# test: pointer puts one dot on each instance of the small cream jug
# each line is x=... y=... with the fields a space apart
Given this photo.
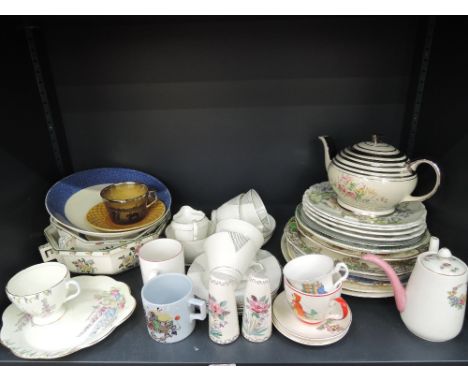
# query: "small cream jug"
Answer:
x=433 y=304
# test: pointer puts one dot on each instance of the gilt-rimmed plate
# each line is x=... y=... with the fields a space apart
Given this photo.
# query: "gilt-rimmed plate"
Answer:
x=102 y=305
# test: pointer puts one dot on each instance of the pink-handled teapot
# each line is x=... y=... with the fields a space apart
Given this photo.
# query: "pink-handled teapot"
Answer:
x=433 y=304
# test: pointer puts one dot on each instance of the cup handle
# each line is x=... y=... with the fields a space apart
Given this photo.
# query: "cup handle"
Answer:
x=153 y=196
x=76 y=286
x=195 y=231
x=338 y=268
x=344 y=309
x=201 y=305
x=413 y=166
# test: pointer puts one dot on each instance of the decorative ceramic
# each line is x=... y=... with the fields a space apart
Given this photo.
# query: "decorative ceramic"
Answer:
x=41 y=291
x=69 y=200
x=199 y=274
x=223 y=319
x=248 y=207
x=230 y=252
x=315 y=273
x=160 y=256
x=102 y=305
x=242 y=227
x=433 y=304
x=315 y=308
x=193 y=248
x=335 y=229
x=323 y=200
x=325 y=333
x=372 y=178
x=309 y=228
x=105 y=259
x=256 y=317
x=99 y=218
x=189 y=224
x=170 y=307
x=128 y=202
x=403 y=261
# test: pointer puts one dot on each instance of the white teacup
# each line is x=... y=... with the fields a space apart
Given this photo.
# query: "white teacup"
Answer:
x=242 y=227
x=229 y=210
x=189 y=224
x=315 y=308
x=230 y=253
x=253 y=210
x=161 y=256
x=315 y=273
x=41 y=291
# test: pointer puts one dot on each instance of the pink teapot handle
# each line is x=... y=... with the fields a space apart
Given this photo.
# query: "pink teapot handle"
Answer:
x=398 y=289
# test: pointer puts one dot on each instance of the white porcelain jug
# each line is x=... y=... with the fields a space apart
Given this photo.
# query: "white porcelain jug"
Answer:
x=433 y=304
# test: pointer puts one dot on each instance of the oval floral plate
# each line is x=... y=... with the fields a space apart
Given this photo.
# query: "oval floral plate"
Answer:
x=102 y=305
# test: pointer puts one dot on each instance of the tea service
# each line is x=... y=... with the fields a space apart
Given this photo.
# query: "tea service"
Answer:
x=311 y=310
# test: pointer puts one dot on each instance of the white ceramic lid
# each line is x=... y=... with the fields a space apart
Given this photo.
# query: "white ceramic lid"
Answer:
x=443 y=263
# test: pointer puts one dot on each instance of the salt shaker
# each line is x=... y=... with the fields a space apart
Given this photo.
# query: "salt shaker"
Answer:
x=223 y=317
x=256 y=318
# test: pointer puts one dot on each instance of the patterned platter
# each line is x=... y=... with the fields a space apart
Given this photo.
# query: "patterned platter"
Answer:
x=309 y=228
x=322 y=199
x=99 y=218
x=102 y=305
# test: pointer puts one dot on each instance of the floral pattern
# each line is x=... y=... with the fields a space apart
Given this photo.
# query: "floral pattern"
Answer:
x=128 y=261
x=218 y=313
x=456 y=301
x=109 y=303
x=255 y=318
x=162 y=325
x=84 y=266
x=331 y=326
x=357 y=191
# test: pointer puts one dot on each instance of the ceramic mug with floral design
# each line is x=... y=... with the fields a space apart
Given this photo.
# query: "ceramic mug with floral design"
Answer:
x=42 y=290
x=315 y=273
x=169 y=305
x=315 y=308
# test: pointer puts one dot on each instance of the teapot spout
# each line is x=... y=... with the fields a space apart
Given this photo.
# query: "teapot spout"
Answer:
x=398 y=289
x=326 y=148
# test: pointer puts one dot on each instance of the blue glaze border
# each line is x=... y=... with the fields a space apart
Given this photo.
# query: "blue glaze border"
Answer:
x=60 y=192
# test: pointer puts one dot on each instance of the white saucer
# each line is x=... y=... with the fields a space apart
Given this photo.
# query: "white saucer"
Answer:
x=324 y=333
x=102 y=305
x=198 y=275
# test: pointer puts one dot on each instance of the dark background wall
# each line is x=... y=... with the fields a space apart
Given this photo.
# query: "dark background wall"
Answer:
x=216 y=105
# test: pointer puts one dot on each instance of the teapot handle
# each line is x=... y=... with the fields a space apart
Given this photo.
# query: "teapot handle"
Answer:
x=413 y=166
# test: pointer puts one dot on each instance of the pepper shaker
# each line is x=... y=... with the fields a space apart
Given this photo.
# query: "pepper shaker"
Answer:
x=256 y=317
x=223 y=317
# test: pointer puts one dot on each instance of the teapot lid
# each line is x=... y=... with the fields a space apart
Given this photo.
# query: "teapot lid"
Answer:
x=444 y=263
x=374 y=158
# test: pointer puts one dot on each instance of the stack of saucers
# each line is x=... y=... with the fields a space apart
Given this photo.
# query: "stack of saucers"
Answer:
x=321 y=225
x=82 y=234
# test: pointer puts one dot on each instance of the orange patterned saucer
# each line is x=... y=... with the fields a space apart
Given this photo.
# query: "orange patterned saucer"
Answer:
x=99 y=218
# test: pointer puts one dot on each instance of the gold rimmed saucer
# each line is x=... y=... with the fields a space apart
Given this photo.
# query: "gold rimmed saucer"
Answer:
x=98 y=217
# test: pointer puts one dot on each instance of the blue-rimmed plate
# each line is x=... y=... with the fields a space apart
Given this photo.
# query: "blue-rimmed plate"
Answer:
x=69 y=200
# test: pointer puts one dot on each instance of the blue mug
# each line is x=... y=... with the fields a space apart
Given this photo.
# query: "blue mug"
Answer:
x=169 y=306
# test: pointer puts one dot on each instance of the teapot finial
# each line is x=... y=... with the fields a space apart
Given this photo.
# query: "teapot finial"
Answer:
x=375 y=138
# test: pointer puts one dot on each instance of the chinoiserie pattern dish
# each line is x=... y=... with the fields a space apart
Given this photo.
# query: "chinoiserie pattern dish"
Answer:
x=102 y=306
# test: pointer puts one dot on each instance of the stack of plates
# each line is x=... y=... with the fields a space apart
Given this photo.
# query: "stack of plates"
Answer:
x=80 y=223
x=321 y=225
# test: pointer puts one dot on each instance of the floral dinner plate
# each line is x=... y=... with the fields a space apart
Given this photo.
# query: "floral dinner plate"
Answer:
x=102 y=305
